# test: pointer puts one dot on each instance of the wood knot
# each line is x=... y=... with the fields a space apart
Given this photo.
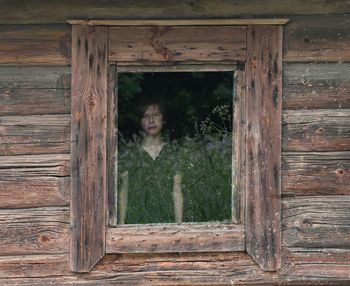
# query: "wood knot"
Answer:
x=319 y=131
x=340 y=172
x=44 y=238
x=306 y=222
x=77 y=115
x=8 y=93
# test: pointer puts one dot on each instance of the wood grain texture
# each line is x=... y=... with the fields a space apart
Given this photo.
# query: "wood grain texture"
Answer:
x=34 y=231
x=19 y=12
x=24 y=192
x=300 y=267
x=177 y=43
x=315 y=73
x=27 y=101
x=112 y=139
x=317 y=38
x=263 y=145
x=316 y=130
x=38 y=44
x=175 y=238
x=88 y=149
x=57 y=165
x=315 y=173
x=34 y=77
x=317 y=222
x=317 y=96
x=34 y=134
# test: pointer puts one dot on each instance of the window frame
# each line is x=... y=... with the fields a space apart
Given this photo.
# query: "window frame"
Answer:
x=258 y=87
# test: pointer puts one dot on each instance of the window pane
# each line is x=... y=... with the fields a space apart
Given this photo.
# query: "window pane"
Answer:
x=174 y=147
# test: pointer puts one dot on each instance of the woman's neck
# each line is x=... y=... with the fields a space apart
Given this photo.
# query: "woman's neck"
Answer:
x=149 y=141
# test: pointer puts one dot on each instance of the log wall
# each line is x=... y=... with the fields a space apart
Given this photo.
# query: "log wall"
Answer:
x=35 y=153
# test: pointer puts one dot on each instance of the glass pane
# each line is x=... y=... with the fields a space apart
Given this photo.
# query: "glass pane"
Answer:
x=174 y=147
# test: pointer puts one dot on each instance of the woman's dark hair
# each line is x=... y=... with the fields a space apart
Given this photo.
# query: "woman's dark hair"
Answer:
x=144 y=103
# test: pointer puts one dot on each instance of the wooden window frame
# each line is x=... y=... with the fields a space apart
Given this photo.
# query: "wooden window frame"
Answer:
x=96 y=46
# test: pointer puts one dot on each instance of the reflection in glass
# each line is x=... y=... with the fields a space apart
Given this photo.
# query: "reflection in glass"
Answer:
x=174 y=147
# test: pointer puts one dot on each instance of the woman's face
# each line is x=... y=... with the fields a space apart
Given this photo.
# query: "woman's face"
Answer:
x=152 y=120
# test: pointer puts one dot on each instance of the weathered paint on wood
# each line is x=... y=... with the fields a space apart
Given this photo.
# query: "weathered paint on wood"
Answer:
x=34 y=134
x=177 y=43
x=39 y=44
x=24 y=192
x=175 y=238
x=88 y=150
x=34 y=231
x=316 y=173
x=316 y=130
x=35 y=165
x=317 y=222
x=19 y=12
x=263 y=145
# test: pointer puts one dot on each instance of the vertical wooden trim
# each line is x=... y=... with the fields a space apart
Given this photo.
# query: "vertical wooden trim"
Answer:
x=112 y=144
x=88 y=147
x=239 y=130
x=263 y=145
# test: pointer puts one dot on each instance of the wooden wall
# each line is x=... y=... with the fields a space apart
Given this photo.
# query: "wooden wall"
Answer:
x=35 y=146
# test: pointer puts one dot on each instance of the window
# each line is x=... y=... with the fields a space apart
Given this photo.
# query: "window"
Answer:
x=98 y=54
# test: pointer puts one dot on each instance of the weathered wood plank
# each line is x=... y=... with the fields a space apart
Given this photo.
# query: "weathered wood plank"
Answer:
x=39 y=266
x=35 y=165
x=34 y=231
x=34 y=77
x=34 y=101
x=317 y=96
x=316 y=130
x=317 y=38
x=175 y=238
x=177 y=43
x=88 y=150
x=316 y=173
x=316 y=222
x=19 y=12
x=322 y=267
x=34 y=134
x=39 y=44
x=315 y=73
x=263 y=145
x=24 y=192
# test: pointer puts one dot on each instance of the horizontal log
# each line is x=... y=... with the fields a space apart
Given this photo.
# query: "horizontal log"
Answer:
x=315 y=73
x=35 y=134
x=177 y=43
x=35 y=165
x=41 y=44
x=317 y=38
x=316 y=222
x=317 y=96
x=316 y=130
x=34 y=77
x=324 y=267
x=19 y=12
x=316 y=173
x=34 y=231
x=39 y=266
x=175 y=238
x=25 y=192
x=26 y=101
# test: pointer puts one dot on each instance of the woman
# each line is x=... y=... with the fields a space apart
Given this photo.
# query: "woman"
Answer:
x=150 y=182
